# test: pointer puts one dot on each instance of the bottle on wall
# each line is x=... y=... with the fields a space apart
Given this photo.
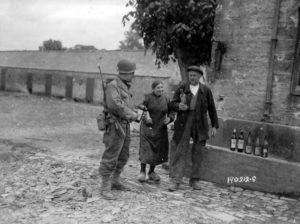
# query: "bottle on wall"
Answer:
x=241 y=142
x=265 y=148
x=233 y=140
x=257 y=149
x=249 y=147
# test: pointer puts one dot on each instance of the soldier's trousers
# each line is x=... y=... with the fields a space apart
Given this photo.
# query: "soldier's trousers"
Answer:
x=116 y=152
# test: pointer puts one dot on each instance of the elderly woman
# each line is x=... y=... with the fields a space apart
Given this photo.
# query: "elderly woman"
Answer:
x=154 y=144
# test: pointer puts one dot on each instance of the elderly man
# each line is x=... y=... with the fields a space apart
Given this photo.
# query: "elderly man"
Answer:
x=120 y=112
x=192 y=101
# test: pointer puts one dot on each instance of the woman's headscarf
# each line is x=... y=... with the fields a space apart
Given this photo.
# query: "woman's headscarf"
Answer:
x=156 y=83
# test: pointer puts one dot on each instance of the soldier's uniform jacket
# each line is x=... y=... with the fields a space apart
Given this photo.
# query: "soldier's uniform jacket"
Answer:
x=119 y=100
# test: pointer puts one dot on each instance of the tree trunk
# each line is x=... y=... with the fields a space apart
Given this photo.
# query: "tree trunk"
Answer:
x=182 y=63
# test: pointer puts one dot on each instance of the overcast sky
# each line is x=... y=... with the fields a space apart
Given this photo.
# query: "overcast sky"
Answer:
x=25 y=24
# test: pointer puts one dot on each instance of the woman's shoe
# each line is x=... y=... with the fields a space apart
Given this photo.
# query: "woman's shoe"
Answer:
x=173 y=186
x=154 y=177
x=142 y=177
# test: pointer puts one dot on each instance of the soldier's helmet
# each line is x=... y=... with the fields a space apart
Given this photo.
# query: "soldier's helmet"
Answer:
x=125 y=66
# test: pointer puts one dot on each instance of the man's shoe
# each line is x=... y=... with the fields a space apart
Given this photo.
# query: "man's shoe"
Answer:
x=173 y=187
x=165 y=166
x=142 y=177
x=191 y=182
x=154 y=176
x=196 y=185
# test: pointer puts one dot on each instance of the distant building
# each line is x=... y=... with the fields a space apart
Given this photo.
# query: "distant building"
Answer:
x=80 y=47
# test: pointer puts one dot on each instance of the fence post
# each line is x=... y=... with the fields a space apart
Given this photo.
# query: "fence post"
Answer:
x=48 y=84
x=89 y=92
x=29 y=82
x=69 y=87
x=3 y=79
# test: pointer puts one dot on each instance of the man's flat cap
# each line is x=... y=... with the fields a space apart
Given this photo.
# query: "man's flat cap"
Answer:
x=125 y=66
x=195 y=68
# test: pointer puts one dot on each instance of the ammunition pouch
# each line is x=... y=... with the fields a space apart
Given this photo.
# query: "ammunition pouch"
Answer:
x=103 y=120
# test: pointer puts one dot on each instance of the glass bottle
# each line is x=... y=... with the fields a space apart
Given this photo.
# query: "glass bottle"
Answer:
x=257 y=149
x=241 y=142
x=249 y=148
x=233 y=140
x=265 y=148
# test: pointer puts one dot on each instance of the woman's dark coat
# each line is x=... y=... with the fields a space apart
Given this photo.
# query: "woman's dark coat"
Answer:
x=154 y=144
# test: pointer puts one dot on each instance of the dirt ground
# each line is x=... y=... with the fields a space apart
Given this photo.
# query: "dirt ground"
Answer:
x=50 y=151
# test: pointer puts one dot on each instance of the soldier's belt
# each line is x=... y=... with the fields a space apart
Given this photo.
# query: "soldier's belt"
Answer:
x=112 y=118
x=123 y=121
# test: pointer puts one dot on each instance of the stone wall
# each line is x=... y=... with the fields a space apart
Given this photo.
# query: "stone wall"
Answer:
x=246 y=29
x=84 y=86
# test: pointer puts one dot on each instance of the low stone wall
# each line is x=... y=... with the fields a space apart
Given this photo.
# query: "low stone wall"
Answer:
x=82 y=86
x=271 y=175
x=284 y=140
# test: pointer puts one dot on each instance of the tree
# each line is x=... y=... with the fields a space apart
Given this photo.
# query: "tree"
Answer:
x=132 y=41
x=52 y=45
x=179 y=30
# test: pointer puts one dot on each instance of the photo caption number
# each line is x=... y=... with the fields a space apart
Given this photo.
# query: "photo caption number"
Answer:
x=243 y=179
x=230 y=180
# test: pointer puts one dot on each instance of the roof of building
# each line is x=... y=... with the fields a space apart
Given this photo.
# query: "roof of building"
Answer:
x=86 y=61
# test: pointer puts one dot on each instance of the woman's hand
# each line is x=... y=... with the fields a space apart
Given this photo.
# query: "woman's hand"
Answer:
x=148 y=119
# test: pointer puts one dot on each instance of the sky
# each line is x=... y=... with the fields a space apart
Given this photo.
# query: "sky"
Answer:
x=25 y=24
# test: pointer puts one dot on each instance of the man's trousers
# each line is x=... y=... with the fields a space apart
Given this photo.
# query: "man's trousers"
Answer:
x=116 y=152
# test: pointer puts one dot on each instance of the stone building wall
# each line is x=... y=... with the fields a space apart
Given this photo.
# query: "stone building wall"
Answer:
x=286 y=108
x=246 y=29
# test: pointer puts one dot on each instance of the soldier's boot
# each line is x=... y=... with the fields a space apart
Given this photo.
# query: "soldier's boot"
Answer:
x=174 y=185
x=105 y=189
x=116 y=184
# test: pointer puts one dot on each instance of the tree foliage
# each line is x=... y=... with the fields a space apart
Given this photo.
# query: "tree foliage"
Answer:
x=175 y=29
x=132 y=41
x=52 y=45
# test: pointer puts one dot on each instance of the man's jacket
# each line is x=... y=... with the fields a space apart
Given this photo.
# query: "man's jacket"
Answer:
x=119 y=100
x=204 y=104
